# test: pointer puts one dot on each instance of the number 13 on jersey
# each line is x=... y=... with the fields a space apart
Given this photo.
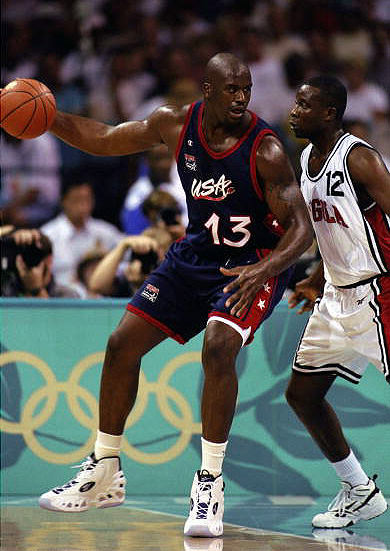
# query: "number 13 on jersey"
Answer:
x=239 y=227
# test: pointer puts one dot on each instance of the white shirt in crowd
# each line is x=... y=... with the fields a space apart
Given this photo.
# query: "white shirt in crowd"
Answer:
x=70 y=245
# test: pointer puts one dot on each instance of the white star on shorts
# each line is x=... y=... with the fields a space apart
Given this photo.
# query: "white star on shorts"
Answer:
x=267 y=288
x=261 y=303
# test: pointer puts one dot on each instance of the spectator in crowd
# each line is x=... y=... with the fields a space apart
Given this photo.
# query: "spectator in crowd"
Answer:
x=30 y=180
x=352 y=39
x=124 y=269
x=361 y=129
x=27 y=258
x=119 y=275
x=269 y=92
x=160 y=173
x=74 y=232
x=84 y=271
x=163 y=213
x=181 y=92
x=320 y=58
x=366 y=100
x=15 y=63
x=123 y=87
x=282 y=41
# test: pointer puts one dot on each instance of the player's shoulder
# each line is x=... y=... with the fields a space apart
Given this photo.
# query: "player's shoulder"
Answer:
x=270 y=147
x=363 y=157
x=170 y=113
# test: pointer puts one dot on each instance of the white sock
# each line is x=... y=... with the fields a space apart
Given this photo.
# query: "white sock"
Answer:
x=212 y=456
x=350 y=470
x=107 y=445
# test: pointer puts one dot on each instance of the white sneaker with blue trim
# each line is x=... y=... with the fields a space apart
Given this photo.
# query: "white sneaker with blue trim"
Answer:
x=99 y=483
x=206 y=506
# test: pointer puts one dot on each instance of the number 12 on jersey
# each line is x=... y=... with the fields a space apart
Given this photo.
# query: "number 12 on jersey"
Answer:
x=212 y=224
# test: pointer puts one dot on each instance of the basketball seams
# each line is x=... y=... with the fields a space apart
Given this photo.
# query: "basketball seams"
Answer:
x=27 y=81
x=52 y=103
x=44 y=109
x=29 y=122
x=19 y=105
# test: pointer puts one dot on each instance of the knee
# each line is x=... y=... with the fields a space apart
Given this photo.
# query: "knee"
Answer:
x=292 y=396
x=114 y=344
x=297 y=398
x=121 y=350
x=218 y=356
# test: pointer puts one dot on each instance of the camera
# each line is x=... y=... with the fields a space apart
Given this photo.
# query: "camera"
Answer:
x=31 y=254
x=149 y=261
x=169 y=216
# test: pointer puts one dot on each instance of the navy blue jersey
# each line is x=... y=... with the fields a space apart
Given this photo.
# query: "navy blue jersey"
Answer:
x=227 y=211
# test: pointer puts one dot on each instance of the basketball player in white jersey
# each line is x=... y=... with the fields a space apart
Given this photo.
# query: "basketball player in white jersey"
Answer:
x=346 y=187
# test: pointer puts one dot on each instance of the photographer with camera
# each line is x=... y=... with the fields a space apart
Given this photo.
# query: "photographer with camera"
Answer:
x=120 y=274
x=124 y=268
x=26 y=265
x=163 y=212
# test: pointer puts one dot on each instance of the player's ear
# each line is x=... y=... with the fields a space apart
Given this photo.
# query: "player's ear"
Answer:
x=206 y=89
x=331 y=113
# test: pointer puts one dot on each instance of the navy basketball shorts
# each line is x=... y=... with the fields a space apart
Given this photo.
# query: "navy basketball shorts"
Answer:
x=186 y=292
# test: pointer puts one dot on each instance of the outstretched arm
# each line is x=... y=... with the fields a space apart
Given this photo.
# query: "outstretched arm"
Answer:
x=99 y=138
x=285 y=200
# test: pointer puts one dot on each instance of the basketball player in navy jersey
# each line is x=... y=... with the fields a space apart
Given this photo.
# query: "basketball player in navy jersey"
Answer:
x=245 y=208
x=347 y=191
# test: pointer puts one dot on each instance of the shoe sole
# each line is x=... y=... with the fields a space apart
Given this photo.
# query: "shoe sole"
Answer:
x=202 y=530
x=46 y=504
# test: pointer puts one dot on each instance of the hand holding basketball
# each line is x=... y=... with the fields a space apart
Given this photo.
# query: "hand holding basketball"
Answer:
x=27 y=108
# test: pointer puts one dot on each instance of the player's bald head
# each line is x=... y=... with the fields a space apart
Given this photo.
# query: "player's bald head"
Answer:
x=224 y=65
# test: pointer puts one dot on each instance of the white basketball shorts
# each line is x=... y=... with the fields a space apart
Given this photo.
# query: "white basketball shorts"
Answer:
x=348 y=329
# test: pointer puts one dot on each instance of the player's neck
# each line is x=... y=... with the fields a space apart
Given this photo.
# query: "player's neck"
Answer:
x=215 y=130
x=324 y=142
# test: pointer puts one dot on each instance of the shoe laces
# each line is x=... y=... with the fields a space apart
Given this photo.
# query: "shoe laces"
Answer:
x=341 y=500
x=204 y=493
x=88 y=465
x=344 y=499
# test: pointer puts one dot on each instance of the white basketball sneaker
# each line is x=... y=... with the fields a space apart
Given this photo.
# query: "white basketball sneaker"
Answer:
x=206 y=506
x=99 y=483
x=352 y=503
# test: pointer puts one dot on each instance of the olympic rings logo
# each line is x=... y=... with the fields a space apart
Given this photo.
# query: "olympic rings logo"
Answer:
x=30 y=421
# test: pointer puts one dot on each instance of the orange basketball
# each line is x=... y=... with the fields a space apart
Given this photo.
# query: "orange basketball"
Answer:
x=27 y=108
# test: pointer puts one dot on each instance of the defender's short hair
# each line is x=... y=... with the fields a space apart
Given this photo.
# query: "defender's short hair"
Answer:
x=333 y=92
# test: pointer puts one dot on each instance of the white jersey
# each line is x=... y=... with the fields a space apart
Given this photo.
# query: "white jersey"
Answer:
x=354 y=242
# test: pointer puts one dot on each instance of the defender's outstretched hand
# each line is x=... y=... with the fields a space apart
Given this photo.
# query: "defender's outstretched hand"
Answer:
x=304 y=291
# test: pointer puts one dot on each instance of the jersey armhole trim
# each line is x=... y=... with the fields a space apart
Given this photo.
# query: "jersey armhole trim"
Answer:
x=184 y=130
x=253 y=169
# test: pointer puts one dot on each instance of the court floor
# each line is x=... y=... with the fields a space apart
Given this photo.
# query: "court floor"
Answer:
x=155 y=523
